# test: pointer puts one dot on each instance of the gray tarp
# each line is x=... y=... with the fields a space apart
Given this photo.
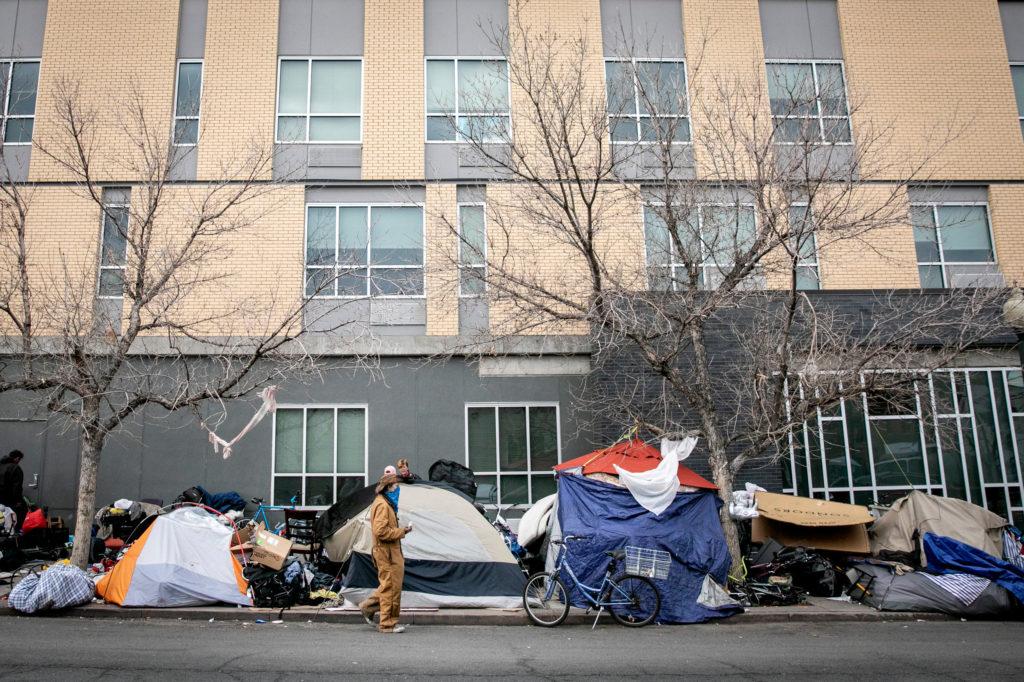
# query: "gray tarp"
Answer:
x=925 y=513
x=916 y=592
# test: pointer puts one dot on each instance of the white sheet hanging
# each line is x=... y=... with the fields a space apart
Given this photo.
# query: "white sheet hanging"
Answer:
x=269 y=395
x=655 y=489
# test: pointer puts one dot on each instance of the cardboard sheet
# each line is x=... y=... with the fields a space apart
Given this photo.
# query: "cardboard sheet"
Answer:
x=805 y=511
x=814 y=524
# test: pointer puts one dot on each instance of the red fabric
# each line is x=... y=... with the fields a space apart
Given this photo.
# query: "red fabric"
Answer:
x=634 y=456
x=34 y=519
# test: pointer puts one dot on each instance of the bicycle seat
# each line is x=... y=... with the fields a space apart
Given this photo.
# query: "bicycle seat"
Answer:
x=617 y=554
x=257 y=501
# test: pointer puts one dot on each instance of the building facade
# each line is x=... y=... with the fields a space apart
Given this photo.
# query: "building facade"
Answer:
x=355 y=96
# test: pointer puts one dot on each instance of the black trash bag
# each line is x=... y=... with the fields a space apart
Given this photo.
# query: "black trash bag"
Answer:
x=454 y=474
x=269 y=588
x=193 y=495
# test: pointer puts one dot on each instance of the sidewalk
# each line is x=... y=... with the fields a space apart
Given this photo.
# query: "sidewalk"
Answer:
x=816 y=610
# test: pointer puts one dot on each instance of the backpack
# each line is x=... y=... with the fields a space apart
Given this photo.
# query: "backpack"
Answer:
x=269 y=589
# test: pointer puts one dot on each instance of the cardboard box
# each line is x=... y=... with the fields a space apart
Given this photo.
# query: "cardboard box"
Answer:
x=815 y=524
x=269 y=550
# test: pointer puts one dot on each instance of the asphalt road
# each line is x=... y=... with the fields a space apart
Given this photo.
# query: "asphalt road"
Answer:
x=77 y=649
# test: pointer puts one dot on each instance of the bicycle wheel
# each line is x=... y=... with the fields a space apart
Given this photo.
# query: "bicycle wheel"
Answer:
x=643 y=596
x=543 y=611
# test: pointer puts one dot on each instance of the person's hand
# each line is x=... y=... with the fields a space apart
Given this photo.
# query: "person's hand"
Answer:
x=408 y=529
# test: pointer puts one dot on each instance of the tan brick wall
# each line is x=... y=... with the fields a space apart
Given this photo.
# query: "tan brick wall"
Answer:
x=110 y=50
x=926 y=68
x=239 y=86
x=1006 y=208
x=393 y=104
x=442 y=275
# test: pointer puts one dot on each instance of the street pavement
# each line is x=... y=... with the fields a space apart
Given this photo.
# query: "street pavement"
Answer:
x=71 y=648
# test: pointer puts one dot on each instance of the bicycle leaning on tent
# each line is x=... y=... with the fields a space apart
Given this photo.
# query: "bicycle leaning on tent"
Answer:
x=632 y=599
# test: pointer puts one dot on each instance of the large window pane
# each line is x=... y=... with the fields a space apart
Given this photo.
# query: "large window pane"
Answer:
x=926 y=239
x=441 y=129
x=186 y=131
x=543 y=438
x=897 y=449
x=659 y=248
x=351 y=440
x=832 y=90
x=320 y=235
x=319 y=491
x=335 y=87
x=512 y=438
x=293 y=87
x=115 y=235
x=352 y=235
x=791 y=89
x=835 y=453
x=514 y=490
x=1017 y=72
x=483 y=86
x=396 y=281
x=621 y=90
x=288 y=442
x=334 y=129
x=543 y=485
x=396 y=235
x=286 y=488
x=320 y=441
x=481 y=434
x=662 y=88
x=111 y=282
x=984 y=420
x=965 y=234
x=190 y=79
x=24 y=78
x=440 y=87
x=291 y=128
x=471 y=231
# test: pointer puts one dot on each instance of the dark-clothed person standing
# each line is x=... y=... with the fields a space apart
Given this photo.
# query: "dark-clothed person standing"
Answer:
x=387 y=556
x=12 y=480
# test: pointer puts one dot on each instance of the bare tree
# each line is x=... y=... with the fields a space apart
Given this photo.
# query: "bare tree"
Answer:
x=162 y=325
x=709 y=291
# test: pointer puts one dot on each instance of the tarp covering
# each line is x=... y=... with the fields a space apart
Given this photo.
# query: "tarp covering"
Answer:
x=946 y=555
x=916 y=591
x=910 y=517
x=632 y=455
x=689 y=529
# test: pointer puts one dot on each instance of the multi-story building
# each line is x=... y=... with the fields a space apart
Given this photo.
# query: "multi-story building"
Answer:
x=346 y=93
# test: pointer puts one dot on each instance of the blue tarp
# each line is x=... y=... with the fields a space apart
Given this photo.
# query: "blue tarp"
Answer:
x=689 y=530
x=946 y=555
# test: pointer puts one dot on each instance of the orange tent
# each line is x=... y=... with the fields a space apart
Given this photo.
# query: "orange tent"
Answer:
x=632 y=455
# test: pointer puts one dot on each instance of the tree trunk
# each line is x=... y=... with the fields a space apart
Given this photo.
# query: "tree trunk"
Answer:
x=723 y=478
x=89 y=454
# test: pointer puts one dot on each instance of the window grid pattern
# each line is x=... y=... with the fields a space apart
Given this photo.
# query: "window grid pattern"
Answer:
x=630 y=115
x=319 y=453
x=808 y=274
x=474 y=93
x=514 y=447
x=188 y=89
x=356 y=251
x=668 y=268
x=319 y=100
x=961 y=435
x=472 y=250
x=113 y=249
x=808 y=101
x=19 y=81
x=950 y=235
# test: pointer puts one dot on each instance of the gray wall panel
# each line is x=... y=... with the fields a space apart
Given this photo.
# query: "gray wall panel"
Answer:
x=185 y=164
x=28 y=32
x=800 y=29
x=950 y=194
x=294 y=25
x=336 y=28
x=367 y=194
x=464 y=27
x=440 y=29
x=192 y=29
x=8 y=16
x=1013 y=28
x=16 y=158
x=642 y=28
x=471 y=194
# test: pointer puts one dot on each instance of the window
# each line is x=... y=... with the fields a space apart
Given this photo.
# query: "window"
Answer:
x=708 y=239
x=472 y=250
x=319 y=453
x=472 y=93
x=319 y=100
x=188 y=90
x=951 y=241
x=18 y=84
x=647 y=101
x=114 y=246
x=808 y=101
x=956 y=432
x=514 y=446
x=806 y=246
x=1017 y=73
x=364 y=250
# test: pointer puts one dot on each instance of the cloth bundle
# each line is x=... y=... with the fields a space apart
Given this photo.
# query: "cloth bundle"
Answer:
x=744 y=502
x=58 y=587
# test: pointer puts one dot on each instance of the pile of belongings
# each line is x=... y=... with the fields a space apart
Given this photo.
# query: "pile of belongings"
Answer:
x=941 y=555
x=225 y=502
x=782 y=576
x=120 y=520
x=60 y=586
x=183 y=559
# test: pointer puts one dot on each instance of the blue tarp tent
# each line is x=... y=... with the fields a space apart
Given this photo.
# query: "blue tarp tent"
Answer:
x=689 y=530
x=946 y=555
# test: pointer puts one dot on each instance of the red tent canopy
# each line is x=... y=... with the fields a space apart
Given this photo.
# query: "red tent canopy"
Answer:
x=634 y=456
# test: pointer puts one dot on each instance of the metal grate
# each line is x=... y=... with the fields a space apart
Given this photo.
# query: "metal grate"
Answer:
x=651 y=563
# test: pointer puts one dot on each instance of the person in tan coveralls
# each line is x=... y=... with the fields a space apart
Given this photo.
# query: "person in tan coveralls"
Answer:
x=387 y=555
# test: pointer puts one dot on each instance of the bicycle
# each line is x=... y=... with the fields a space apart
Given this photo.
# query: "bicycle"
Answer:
x=261 y=514
x=633 y=600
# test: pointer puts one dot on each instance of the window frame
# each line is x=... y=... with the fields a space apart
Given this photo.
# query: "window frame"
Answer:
x=464 y=266
x=306 y=407
x=177 y=117
x=817 y=101
x=673 y=262
x=814 y=266
x=127 y=205
x=8 y=64
x=529 y=472
x=636 y=100
x=942 y=263
x=309 y=94
x=1020 y=113
x=369 y=250
x=457 y=113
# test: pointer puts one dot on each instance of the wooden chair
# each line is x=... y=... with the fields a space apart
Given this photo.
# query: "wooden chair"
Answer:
x=298 y=527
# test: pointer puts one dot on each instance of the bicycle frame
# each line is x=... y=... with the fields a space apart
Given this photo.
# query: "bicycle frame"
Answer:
x=261 y=515
x=594 y=596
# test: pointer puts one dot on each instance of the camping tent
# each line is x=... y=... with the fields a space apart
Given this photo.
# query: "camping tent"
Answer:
x=631 y=455
x=900 y=529
x=880 y=586
x=454 y=557
x=183 y=559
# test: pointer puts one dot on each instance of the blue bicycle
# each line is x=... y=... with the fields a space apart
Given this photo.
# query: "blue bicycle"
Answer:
x=633 y=600
x=261 y=514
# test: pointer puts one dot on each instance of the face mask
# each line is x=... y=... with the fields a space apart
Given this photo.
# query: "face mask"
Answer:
x=393 y=497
